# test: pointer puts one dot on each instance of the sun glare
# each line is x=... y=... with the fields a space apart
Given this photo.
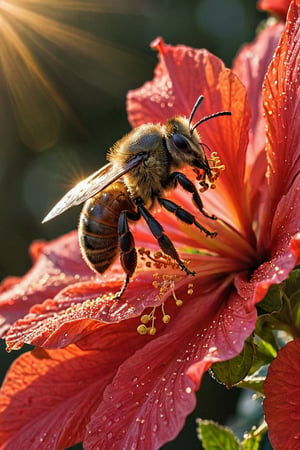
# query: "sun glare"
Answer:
x=35 y=34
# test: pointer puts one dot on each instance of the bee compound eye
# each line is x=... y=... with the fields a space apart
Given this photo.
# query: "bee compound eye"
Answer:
x=180 y=141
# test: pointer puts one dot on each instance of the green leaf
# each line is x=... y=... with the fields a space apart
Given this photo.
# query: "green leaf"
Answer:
x=273 y=299
x=216 y=437
x=265 y=330
x=280 y=309
x=234 y=370
x=252 y=439
x=251 y=442
x=292 y=285
x=253 y=382
x=264 y=354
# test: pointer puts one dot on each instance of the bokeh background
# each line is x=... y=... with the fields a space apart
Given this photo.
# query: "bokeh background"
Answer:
x=65 y=68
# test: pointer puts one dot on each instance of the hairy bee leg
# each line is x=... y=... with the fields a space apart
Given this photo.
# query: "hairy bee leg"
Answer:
x=128 y=254
x=188 y=185
x=184 y=215
x=164 y=242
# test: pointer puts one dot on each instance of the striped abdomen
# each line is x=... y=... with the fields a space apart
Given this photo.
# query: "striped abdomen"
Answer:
x=98 y=225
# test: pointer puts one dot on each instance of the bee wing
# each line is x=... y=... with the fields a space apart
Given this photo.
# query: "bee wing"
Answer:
x=91 y=185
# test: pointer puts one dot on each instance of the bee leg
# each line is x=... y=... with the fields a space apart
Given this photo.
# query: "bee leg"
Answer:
x=128 y=255
x=164 y=242
x=184 y=215
x=188 y=185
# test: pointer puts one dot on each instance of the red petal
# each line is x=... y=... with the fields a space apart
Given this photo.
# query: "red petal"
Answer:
x=274 y=271
x=79 y=309
x=282 y=398
x=56 y=265
x=48 y=396
x=153 y=391
x=134 y=388
x=281 y=102
x=251 y=66
x=278 y=7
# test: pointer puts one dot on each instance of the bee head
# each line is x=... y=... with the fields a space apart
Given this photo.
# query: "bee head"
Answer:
x=184 y=143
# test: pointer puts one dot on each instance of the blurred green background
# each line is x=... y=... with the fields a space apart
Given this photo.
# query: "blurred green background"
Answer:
x=65 y=68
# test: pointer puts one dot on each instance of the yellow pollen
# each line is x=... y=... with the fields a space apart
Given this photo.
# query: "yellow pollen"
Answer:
x=207 y=180
x=157 y=260
x=142 y=330
x=145 y=318
x=190 y=289
x=164 y=283
x=166 y=318
x=151 y=331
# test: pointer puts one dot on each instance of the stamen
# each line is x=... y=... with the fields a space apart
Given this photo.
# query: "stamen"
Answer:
x=158 y=259
x=166 y=317
x=178 y=301
x=207 y=180
x=145 y=319
x=190 y=290
x=163 y=283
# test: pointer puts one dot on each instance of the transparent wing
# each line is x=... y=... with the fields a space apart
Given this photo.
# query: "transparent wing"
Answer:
x=91 y=185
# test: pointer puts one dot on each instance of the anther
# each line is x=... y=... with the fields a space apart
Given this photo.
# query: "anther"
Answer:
x=151 y=331
x=178 y=301
x=145 y=318
x=166 y=317
x=142 y=330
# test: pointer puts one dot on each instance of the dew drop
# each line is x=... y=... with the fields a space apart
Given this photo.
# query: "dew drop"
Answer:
x=109 y=435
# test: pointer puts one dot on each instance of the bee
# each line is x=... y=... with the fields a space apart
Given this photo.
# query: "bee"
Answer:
x=141 y=167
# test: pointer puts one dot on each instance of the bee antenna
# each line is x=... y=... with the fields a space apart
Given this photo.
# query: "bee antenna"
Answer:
x=195 y=107
x=212 y=116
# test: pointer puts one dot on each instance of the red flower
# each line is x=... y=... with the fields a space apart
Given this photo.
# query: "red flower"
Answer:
x=282 y=391
x=277 y=7
x=112 y=387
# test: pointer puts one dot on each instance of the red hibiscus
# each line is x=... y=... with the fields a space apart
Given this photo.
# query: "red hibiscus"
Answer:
x=277 y=7
x=110 y=386
x=282 y=391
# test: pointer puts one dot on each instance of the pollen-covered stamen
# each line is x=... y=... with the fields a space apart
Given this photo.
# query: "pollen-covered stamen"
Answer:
x=163 y=283
x=145 y=319
x=207 y=179
x=178 y=301
x=158 y=259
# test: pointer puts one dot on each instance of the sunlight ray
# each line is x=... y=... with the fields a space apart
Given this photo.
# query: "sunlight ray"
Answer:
x=30 y=36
